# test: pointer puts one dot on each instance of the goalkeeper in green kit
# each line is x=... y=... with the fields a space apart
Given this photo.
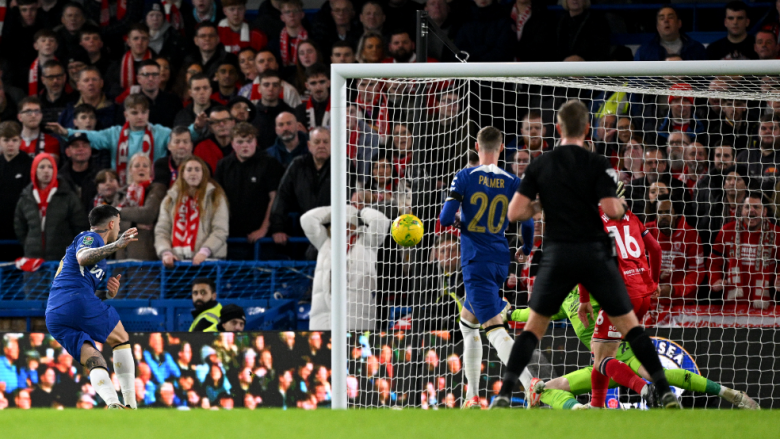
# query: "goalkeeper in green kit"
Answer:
x=560 y=393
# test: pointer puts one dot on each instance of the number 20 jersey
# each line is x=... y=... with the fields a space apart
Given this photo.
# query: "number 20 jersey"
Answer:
x=72 y=279
x=630 y=248
x=484 y=193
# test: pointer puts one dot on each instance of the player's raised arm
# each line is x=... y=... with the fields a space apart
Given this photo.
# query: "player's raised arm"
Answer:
x=104 y=222
x=91 y=256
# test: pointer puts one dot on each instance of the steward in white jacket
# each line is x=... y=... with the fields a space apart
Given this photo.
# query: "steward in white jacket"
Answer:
x=367 y=230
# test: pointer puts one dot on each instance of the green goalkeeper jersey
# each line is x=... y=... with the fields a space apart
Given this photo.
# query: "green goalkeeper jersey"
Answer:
x=569 y=310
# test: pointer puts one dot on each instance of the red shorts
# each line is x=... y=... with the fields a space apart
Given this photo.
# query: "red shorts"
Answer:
x=604 y=328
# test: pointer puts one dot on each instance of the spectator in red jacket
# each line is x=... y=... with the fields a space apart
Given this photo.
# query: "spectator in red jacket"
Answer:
x=682 y=263
x=217 y=144
x=744 y=256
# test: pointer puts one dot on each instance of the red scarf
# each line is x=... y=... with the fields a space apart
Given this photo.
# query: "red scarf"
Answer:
x=173 y=16
x=255 y=96
x=32 y=79
x=351 y=238
x=233 y=41
x=185 y=226
x=401 y=164
x=127 y=74
x=3 y=5
x=33 y=149
x=105 y=14
x=123 y=150
x=289 y=49
x=43 y=196
x=520 y=20
x=312 y=117
x=136 y=193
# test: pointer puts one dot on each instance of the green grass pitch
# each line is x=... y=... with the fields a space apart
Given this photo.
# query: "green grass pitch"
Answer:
x=396 y=424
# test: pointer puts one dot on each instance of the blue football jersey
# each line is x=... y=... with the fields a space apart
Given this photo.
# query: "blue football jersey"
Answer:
x=484 y=192
x=72 y=278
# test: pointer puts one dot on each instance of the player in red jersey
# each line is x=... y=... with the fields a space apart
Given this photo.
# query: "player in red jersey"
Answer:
x=641 y=278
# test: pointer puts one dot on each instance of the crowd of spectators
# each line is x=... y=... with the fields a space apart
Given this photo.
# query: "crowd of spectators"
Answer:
x=183 y=371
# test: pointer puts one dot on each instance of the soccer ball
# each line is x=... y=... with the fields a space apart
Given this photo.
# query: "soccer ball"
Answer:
x=407 y=230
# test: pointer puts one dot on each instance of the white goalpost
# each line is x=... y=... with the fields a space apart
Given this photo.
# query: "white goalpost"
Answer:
x=400 y=132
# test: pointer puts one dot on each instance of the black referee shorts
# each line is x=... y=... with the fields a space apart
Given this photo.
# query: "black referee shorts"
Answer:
x=566 y=264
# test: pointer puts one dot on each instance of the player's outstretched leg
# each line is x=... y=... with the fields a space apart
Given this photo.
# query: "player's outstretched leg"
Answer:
x=124 y=365
x=644 y=350
x=98 y=375
x=472 y=361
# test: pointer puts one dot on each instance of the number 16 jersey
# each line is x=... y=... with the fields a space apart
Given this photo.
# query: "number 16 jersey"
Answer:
x=484 y=193
x=72 y=279
x=629 y=235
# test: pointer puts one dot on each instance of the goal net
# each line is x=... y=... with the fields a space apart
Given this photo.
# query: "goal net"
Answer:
x=697 y=145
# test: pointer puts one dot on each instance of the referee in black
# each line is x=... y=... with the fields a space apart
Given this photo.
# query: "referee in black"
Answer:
x=571 y=182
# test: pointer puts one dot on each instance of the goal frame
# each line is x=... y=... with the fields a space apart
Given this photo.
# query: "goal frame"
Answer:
x=341 y=72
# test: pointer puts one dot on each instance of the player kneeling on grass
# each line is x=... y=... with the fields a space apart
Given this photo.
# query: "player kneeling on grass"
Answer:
x=484 y=253
x=75 y=315
x=560 y=393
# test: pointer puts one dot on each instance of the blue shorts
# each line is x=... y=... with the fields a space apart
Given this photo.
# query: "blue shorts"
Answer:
x=82 y=320
x=483 y=281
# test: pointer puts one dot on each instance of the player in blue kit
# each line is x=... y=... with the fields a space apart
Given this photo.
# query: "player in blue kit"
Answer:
x=483 y=192
x=76 y=317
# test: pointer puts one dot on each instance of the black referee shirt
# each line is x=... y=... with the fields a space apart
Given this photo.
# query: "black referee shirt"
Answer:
x=570 y=181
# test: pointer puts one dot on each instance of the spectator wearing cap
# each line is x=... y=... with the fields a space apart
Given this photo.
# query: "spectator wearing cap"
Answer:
x=304 y=186
x=232 y=319
x=366 y=230
x=200 y=91
x=123 y=72
x=737 y=44
x=315 y=111
x=290 y=143
x=744 y=256
x=92 y=42
x=208 y=51
x=14 y=174
x=90 y=87
x=682 y=264
x=248 y=174
x=242 y=109
x=670 y=41
x=54 y=96
x=234 y=32
x=72 y=20
x=166 y=169
x=763 y=158
x=681 y=116
x=45 y=43
x=218 y=144
x=765 y=44
x=487 y=35
x=163 y=106
x=227 y=83
x=79 y=171
x=164 y=38
x=49 y=214
x=582 y=34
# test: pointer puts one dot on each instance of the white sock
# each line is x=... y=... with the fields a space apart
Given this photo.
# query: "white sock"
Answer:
x=102 y=384
x=125 y=373
x=502 y=342
x=472 y=358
